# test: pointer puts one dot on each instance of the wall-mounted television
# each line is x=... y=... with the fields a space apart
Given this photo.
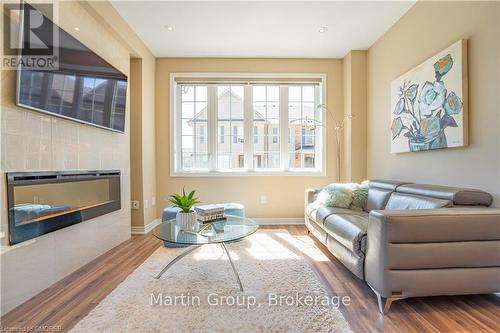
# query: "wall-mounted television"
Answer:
x=84 y=88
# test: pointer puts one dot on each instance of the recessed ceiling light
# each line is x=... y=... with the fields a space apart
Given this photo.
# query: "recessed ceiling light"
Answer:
x=76 y=29
x=169 y=28
x=322 y=30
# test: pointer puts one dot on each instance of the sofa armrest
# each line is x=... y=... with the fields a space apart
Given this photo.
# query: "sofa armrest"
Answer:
x=413 y=240
x=435 y=225
x=310 y=196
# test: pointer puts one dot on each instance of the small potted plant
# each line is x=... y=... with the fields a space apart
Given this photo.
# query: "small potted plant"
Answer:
x=186 y=217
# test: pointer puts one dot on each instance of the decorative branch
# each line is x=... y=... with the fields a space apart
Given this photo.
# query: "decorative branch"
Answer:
x=336 y=129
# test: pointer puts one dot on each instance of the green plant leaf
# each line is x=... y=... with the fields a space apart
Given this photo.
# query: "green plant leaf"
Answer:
x=184 y=202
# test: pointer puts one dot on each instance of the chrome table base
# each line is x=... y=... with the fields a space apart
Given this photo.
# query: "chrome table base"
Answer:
x=191 y=249
x=176 y=259
x=232 y=265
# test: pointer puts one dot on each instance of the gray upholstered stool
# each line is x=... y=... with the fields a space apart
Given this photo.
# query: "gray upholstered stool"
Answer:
x=230 y=208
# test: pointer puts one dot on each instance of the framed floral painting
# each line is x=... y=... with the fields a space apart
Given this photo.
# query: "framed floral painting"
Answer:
x=429 y=103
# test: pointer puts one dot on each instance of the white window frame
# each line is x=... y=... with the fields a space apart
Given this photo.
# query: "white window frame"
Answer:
x=212 y=137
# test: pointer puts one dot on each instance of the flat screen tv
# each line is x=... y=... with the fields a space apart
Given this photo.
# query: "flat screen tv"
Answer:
x=84 y=88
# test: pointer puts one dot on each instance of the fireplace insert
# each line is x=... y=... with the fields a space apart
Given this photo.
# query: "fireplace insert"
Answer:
x=42 y=202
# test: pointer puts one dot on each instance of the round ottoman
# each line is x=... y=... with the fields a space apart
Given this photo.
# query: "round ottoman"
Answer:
x=169 y=213
x=232 y=208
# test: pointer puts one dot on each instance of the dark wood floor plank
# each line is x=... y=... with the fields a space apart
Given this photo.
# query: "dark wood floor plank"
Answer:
x=71 y=299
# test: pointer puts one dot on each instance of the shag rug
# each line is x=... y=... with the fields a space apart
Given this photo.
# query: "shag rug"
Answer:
x=200 y=293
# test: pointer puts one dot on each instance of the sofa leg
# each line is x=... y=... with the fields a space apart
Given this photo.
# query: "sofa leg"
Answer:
x=384 y=308
x=387 y=305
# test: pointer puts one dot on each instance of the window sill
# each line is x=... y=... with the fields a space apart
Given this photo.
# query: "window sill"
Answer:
x=253 y=173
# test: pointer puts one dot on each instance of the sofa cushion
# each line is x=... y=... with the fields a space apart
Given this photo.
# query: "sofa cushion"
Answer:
x=348 y=230
x=379 y=193
x=318 y=214
x=400 y=201
x=390 y=185
x=459 y=196
x=352 y=261
x=377 y=198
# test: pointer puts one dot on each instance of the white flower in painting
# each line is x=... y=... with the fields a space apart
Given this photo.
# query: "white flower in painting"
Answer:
x=432 y=97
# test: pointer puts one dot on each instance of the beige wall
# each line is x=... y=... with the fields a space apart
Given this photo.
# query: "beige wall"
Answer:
x=34 y=141
x=149 y=139
x=285 y=194
x=354 y=133
x=427 y=28
x=136 y=171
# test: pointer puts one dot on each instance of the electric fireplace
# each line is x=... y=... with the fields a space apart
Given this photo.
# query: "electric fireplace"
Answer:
x=42 y=202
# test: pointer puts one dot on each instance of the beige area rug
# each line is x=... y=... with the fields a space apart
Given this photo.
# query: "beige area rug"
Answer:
x=200 y=293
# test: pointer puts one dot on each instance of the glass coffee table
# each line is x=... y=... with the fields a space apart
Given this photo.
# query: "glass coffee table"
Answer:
x=232 y=229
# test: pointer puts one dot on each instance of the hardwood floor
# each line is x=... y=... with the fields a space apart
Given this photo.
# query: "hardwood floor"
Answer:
x=63 y=304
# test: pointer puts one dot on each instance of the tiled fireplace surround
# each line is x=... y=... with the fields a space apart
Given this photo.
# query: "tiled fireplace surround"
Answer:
x=32 y=141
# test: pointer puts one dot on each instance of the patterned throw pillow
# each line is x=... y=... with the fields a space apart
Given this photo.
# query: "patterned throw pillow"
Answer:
x=348 y=195
x=359 y=196
x=335 y=195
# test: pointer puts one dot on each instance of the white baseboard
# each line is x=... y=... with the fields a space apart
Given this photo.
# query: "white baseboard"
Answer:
x=278 y=220
x=145 y=229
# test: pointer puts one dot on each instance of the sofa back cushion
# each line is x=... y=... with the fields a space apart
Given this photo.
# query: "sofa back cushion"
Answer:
x=379 y=193
x=377 y=198
x=400 y=201
x=459 y=196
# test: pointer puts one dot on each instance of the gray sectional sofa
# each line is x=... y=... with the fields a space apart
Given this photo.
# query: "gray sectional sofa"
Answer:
x=414 y=240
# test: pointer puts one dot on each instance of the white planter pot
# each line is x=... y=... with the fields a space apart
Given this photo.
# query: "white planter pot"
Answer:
x=186 y=221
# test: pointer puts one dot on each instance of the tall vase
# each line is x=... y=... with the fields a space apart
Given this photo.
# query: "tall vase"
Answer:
x=436 y=142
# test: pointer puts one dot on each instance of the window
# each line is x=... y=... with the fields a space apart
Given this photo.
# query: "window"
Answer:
x=193 y=120
x=118 y=105
x=266 y=115
x=221 y=134
x=238 y=134
x=203 y=134
x=302 y=120
x=93 y=99
x=250 y=127
x=275 y=134
x=230 y=113
x=63 y=89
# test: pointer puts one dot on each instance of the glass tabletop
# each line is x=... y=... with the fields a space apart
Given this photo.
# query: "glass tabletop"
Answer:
x=231 y=229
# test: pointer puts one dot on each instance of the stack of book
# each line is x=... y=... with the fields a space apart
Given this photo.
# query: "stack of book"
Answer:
x=209 y=213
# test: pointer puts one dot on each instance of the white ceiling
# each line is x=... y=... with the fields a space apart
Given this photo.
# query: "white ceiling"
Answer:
x=260 y=29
